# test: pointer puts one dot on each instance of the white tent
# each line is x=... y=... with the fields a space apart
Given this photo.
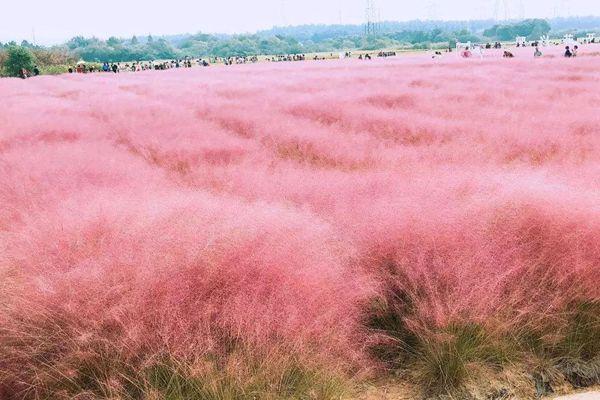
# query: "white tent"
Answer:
x=569 y=40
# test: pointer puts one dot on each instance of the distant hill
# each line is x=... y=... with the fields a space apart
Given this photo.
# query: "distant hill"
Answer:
x=306 y=32
x=319 y=32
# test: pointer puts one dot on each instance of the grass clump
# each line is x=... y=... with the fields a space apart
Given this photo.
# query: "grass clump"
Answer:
x=441 y=359
x=583 y=335
x=444 y=359
x=290 y=381
x=171 y=379
x=395 y=342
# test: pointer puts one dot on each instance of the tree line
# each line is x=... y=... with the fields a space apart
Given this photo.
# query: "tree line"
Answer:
x=290 y=40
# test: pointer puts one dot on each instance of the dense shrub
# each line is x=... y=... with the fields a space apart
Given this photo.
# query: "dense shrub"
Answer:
x=17 y=58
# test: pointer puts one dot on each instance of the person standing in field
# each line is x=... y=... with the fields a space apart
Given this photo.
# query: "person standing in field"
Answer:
x=537 y=53
x=568 y=53
x=575 y=50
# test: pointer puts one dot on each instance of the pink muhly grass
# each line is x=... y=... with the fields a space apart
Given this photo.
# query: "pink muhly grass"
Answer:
x=195 y=212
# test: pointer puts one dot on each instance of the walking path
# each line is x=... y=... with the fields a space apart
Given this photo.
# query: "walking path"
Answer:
x=581 y=396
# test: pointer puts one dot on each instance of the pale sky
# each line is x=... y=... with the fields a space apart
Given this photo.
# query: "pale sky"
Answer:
x=55 y=21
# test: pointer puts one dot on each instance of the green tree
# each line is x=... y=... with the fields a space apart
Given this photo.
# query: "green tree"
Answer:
x=78 y=41
x=113 y=41
x=531 y=28
x=17 y=58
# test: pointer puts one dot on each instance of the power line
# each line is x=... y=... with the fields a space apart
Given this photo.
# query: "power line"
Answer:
x=432 y=10
x=371 y=18
x=502 y=10
x=521 y=10
x=283 y=13
x=566 y=5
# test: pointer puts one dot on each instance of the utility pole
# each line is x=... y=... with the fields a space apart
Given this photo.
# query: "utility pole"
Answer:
x=371 y=18
x=566 y=5
x=502 y=7
x=521 y=10
x=283 y=13
x=432 y=10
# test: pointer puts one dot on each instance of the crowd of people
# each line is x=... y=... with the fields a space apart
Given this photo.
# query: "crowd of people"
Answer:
x=83 y=68
x=287 y=57
x=466 y=52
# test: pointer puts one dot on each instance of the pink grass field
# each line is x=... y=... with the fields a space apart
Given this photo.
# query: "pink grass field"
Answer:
x=177 y=212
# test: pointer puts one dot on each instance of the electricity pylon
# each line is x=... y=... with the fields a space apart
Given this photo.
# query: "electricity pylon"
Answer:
x=502 y=10
x=371 y=18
